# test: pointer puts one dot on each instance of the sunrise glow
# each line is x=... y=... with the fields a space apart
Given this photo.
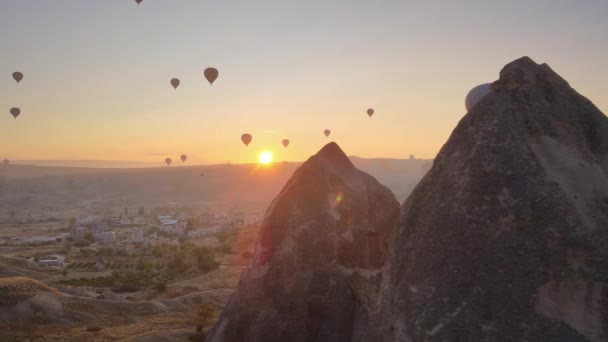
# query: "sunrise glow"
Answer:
x=265 y=158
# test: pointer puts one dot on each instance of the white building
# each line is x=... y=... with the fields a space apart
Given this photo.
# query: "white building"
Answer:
x=50 y=261
x=164 y=219
x=88 y=220
x=138 y=235
x=105 y=238
x=126 y=221
x=173 y=229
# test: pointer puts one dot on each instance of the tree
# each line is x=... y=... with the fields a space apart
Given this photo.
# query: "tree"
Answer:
x=81 y=243
x=205 y=312
x=67 y=247
x=191 y=224
x=161 y=286
x=89 y=236
x=13 y=214
x=177 y=263
x=205 y=259
x=141 y=264
x=64 y=273
x=141 y=211
x=126 y=211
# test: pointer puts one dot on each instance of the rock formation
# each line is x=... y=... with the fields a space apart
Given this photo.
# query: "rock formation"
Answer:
x=504 y=239
x=318 y=257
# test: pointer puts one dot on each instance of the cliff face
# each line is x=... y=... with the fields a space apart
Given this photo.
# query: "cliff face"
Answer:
x=506 y=237
x=318 y=257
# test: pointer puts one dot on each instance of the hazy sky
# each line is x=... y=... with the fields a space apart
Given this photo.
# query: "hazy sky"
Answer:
x=97 y=73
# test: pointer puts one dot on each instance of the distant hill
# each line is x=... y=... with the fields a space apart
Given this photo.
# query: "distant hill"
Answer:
x=52 y=188
x=91 y=163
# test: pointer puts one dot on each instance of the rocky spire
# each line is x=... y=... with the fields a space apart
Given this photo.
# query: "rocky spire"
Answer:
x=318 y=257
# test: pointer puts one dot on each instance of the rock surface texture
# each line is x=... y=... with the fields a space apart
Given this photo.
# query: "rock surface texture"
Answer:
x=504 y=239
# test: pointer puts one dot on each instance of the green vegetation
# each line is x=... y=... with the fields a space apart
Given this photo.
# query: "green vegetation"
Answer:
x=89 y=237
x=105 y=251
x=205 y=312
x=115 y=280
x=205 y=259
x=67 y=247
x=81 y=243
x=161 y=286
x=93 y=328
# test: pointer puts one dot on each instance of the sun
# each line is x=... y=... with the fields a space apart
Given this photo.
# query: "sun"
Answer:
x=265 y=158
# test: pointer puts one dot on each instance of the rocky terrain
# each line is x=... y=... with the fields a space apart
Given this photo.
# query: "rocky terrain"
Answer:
x=504 y=239
x=32 y=310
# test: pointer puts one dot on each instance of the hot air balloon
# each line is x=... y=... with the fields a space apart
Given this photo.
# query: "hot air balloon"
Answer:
x=246 y=138
x=211 y=74
x=175 y=83
x=138 y=1
x=285 y=142
x=327 y=132
x=17 y=76
x=5 y=161
x=15 y=112
x=183 y=157
x=370 y=112
x=168 y=161
x=476 y=94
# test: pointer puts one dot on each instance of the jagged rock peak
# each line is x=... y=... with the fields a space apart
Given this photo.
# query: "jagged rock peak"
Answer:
x=333 y=155
x=524 y=71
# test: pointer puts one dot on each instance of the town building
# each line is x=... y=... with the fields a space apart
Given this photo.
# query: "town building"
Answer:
x=202 y=232
x=138 y=235
x=88 y=220
x=105 y=238
x=50 y=261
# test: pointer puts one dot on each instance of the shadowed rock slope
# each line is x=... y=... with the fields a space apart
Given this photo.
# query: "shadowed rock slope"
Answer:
x=506 y=238
x=317 y=263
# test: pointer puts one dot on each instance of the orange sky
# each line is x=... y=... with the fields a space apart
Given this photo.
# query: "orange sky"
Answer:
x=97 y=73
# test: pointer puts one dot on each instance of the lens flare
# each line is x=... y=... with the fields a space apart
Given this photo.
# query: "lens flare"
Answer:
x=339 y=198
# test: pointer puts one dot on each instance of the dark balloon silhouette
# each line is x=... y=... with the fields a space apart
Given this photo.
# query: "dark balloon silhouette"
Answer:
x=168 y=161
x=139 y=1
x=175 y=83
x=17 y=76
x=211 y=74
x=285 y=142
x=183 y=157
x=15 y=112
x=370 y=112
x=6 y=162
x=327 y=132
x=246 y=138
